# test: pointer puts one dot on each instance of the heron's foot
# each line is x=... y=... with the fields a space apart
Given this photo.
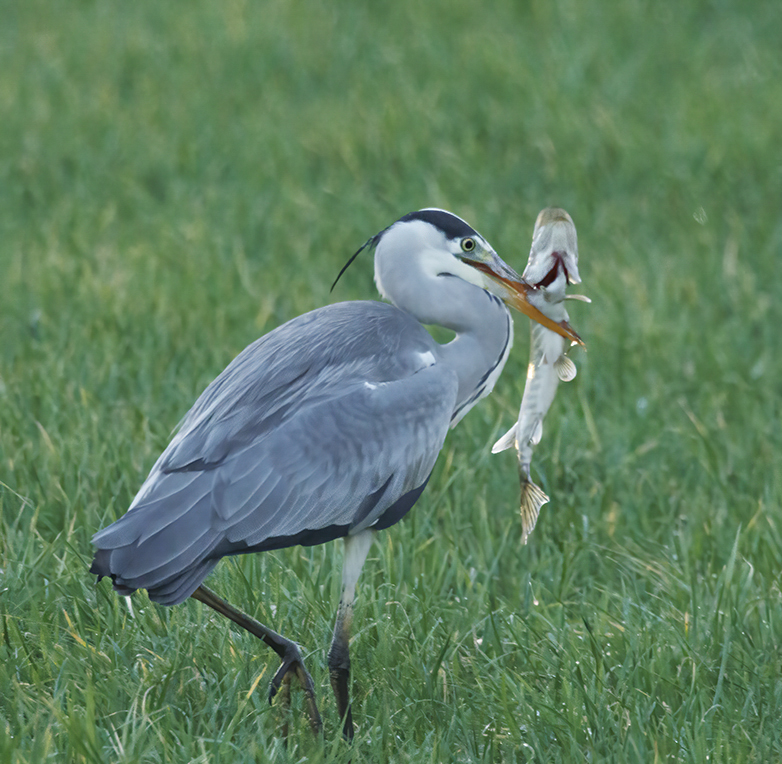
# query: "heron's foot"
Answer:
x=292 y=663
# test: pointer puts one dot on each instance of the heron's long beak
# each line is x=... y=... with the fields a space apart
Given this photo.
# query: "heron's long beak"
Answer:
x=510 y=287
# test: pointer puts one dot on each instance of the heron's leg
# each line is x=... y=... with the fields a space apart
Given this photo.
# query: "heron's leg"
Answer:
x=285 y=701
x=285 y=648
x=356 y=550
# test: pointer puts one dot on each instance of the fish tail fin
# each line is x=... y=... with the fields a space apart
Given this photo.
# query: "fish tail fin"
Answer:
x=532 y=499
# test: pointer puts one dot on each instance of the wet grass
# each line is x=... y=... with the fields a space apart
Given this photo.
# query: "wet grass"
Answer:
x=175 y=181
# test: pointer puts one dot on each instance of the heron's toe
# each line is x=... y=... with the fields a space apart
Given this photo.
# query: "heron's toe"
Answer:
x=292 y=663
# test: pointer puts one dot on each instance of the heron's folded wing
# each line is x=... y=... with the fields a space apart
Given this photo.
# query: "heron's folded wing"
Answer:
x=373 y=443
x=334 y=467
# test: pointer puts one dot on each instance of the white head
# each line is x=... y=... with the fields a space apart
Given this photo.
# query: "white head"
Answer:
x=434 y=243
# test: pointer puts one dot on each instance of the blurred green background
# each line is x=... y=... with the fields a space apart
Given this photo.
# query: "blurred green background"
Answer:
x=177 y=179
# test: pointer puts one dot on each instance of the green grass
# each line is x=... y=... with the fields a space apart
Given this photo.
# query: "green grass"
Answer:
x=177 y=179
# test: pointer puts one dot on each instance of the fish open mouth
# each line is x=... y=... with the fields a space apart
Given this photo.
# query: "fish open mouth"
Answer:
x=551 y=276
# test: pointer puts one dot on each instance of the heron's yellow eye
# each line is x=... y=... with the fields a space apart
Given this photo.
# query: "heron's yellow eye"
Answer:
x=468 y=244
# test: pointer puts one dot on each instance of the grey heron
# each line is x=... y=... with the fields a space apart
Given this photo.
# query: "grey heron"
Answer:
x=326 y=427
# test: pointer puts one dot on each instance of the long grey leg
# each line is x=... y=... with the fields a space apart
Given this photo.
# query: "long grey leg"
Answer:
x=287 y=650
x=356 y=550
x=285 y=701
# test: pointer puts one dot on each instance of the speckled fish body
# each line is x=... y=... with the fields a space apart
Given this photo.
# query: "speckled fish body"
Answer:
x=552 y=265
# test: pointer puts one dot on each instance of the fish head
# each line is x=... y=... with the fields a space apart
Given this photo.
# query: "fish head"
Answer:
x=553 y=257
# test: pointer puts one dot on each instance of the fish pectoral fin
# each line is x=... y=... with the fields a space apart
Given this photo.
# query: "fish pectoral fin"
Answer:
x=537 y=433
x=565 y=368
x=532 y=499
x=508 y=440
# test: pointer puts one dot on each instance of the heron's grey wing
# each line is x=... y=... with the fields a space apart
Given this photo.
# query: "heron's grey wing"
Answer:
x=338 y=467
x=327 y=466
x=333 y=469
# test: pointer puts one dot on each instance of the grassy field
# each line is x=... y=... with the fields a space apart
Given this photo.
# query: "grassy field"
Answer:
x=177 y=179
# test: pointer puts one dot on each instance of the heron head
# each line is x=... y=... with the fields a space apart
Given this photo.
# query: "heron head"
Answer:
x=473 y=259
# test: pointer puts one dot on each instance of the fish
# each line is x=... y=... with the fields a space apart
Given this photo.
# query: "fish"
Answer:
x=552 y=266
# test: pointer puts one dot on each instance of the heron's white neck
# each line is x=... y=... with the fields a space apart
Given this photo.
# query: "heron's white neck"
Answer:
x=480 y=349
x=430 y=287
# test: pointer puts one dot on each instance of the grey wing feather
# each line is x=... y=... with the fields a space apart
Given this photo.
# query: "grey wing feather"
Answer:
x=324 y=423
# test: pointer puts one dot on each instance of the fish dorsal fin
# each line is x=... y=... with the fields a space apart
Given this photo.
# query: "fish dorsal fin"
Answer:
x=537 y=433
x=508 y=440
x=565 y=368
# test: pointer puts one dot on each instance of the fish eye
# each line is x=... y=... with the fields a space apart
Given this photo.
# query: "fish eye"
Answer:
x=468 y=244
